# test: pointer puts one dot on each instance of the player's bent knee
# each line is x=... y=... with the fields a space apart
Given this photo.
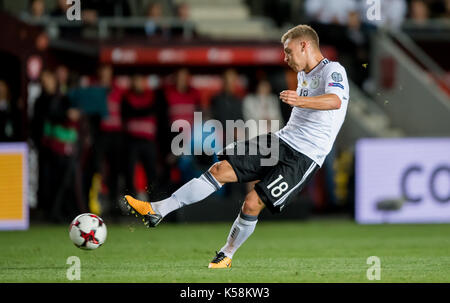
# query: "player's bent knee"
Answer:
x=253 y=204
x=215 y=169
x=223 y=172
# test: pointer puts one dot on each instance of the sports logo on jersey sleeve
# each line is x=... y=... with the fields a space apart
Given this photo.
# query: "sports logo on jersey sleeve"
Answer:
x=335 y=84
x=337 y=77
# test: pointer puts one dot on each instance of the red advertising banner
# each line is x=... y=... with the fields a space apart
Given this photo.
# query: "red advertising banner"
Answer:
x=199 y=55
x=195 y=55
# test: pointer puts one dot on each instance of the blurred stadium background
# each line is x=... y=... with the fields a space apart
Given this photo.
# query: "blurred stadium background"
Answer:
x=77 y=131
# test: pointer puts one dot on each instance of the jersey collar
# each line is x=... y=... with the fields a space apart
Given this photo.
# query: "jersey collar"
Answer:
x=312 y=70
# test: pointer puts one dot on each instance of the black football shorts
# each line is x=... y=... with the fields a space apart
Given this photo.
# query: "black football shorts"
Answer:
x=279 y=180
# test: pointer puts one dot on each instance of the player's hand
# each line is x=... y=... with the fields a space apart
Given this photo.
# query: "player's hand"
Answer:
x=290 y=97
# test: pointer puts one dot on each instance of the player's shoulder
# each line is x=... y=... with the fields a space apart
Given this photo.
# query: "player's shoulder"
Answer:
x=334 y=67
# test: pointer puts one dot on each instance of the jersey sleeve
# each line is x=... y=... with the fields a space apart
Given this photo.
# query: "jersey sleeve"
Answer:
x=336 y=81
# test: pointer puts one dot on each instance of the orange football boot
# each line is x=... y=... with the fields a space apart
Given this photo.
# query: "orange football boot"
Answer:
x=220 y=261
x=143 y=209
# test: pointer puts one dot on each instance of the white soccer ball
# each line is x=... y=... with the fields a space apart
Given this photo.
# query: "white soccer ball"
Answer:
x=87 y=231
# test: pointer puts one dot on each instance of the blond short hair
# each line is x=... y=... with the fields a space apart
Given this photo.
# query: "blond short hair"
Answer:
x=301 y=31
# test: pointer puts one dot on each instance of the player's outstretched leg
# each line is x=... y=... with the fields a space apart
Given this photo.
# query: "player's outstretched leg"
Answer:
x=193 y=191
x=242 y=228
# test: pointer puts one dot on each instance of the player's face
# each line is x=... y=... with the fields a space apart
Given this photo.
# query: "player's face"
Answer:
x=294 y=56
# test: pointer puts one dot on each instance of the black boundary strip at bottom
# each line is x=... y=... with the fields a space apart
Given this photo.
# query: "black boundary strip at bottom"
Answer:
x=223 y=292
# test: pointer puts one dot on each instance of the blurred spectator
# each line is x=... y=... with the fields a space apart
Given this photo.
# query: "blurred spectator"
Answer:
x=182 y=13
x=419 y=13
x=92 y=102
x=140 y=124
x=338 y=23
x=279 y=11
x=392 y=13
x=111 y=141
x=446 y=14
x=182 y=101
x=60 y=9
x=354 y=30
x=36 y=9
x=263 y=105
x=89 y=16
x=93 y=9
x=227 y=105
x=357 y=51
x=41 y=105
x=154 y=14
x=107 y=8
x=67 y=31
x=436 y=7
x=9 y=115
x=54 y=133
x=330 y=12
x=62 y=77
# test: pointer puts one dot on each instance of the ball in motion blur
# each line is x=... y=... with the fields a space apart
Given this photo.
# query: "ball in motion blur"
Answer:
x=87 y=231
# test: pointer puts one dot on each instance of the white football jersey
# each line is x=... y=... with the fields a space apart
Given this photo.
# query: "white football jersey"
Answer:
x=312 y=132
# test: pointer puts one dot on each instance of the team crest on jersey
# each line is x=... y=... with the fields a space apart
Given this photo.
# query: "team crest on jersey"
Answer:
x=337 y=77
x=315 y=82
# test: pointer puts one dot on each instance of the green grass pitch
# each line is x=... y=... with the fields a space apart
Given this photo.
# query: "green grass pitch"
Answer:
x=311 y=251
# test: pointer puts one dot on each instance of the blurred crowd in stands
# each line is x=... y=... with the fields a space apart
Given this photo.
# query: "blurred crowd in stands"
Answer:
x=352 y=14
x=393 y=12
x=282 y=11
x=101 y=136
x=342 y=12
x=93 y=10
x=345 y=24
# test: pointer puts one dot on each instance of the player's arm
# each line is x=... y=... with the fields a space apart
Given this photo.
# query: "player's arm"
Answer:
x=322 y=102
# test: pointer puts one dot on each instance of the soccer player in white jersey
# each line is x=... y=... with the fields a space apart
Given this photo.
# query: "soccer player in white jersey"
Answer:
x=318 y=111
